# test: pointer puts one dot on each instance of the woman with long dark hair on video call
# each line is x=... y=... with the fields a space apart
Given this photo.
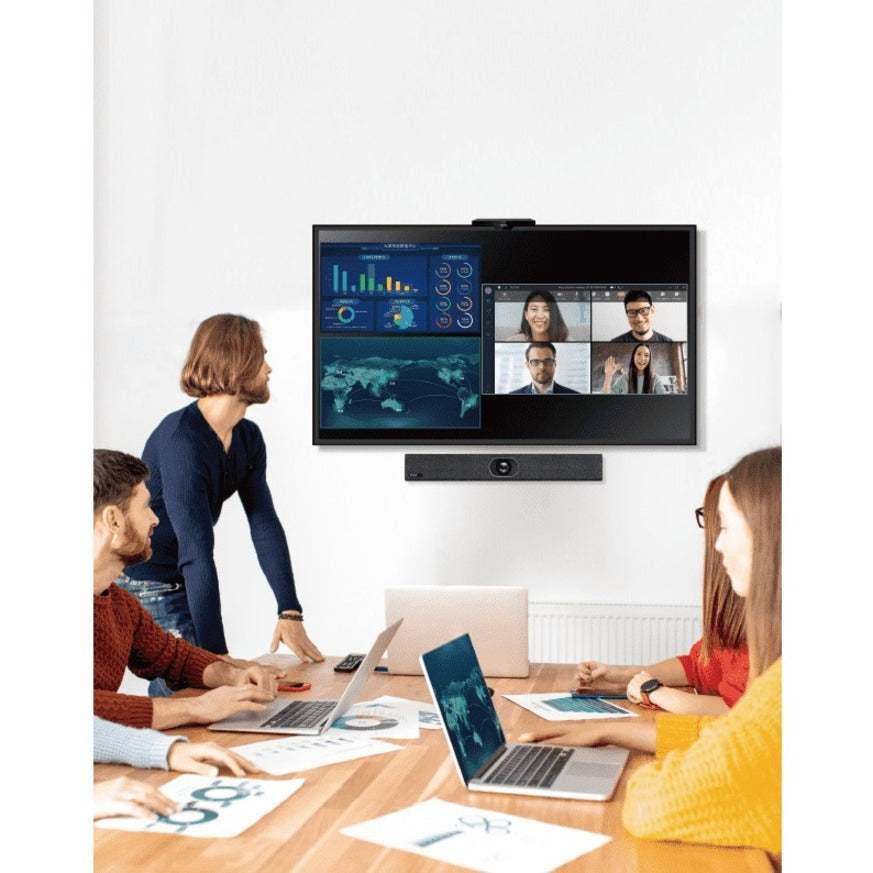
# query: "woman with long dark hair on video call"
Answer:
x=717 y=667
x=718 y=779
x=640 y=378
x=541 y=320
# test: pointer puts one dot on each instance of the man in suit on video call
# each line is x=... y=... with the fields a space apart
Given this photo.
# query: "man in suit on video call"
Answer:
x=541 y=360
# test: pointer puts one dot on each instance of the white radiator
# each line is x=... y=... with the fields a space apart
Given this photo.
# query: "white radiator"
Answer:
x=566 y=633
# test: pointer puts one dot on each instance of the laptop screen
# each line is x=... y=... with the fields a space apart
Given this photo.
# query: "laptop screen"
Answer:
x=460 y=692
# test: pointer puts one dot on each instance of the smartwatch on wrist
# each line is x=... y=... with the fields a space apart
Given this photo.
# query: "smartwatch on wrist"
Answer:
x=648 y=687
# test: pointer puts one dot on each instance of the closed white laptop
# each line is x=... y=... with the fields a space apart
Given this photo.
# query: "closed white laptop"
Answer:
x=485 y=761
x=494 y=616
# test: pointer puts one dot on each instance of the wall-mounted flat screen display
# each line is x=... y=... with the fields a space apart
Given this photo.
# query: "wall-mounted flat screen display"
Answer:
x=575 y=335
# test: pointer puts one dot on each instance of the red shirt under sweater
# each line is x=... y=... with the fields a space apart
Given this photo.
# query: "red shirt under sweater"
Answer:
x=726 y=673
x=125 y=635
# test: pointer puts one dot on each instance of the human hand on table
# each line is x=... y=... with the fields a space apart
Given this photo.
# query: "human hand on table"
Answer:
x=293 y=635
x=201 y=758
x=278 y=672
x=631 y=733
x=125 y=796
x=220 y=703
x=233 y=671
x=603 y=677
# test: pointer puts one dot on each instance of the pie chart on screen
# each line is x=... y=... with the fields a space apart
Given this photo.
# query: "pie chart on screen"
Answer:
x=345 y=314
x=403 y=318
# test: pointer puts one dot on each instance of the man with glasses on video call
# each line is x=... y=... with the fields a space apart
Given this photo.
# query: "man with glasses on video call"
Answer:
x=640 y=312
x=541 y=361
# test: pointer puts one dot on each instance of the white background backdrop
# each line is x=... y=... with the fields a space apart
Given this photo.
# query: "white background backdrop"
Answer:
x=225 y=130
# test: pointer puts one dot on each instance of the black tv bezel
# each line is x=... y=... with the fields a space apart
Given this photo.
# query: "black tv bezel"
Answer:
x=598 y=420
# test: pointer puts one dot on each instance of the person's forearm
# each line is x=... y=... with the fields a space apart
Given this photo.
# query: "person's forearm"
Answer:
x=609 y=676
x=219 y=673
x=670 y=672
x=138 y=747
x=632 y=733
x=684 y=702
x=270 y=542
x=190 y=516
x=201 y=589
x=170 y=712
x=626 y=672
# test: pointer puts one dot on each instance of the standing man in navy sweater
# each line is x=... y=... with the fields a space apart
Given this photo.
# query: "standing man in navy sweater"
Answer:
x=199 y=456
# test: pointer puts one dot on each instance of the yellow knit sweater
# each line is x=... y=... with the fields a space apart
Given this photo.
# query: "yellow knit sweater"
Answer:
x=717 y=780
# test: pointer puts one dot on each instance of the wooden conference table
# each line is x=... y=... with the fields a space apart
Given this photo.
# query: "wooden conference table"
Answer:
x=303 y=833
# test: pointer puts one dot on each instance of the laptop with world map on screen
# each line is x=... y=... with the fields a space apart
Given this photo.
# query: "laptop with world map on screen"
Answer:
x=485 y=761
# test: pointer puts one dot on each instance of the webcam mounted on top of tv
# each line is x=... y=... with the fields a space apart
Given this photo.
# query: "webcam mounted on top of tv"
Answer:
x=504 y=223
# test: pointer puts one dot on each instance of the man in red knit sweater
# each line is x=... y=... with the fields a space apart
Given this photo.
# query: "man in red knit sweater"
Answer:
x=125 y=635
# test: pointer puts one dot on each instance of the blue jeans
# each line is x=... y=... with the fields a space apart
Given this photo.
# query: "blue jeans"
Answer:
x=167 y=604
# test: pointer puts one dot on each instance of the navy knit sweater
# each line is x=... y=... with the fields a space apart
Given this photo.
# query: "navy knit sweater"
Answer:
x=191 y=477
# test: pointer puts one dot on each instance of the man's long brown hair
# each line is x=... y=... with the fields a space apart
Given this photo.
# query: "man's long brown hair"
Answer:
x=755 y=483
x=225 y=357
x=724 y=611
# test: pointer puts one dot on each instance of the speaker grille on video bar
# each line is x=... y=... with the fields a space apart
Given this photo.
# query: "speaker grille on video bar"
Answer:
x=506 y=467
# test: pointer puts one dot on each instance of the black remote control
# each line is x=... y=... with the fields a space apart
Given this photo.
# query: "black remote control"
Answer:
x=349 y=664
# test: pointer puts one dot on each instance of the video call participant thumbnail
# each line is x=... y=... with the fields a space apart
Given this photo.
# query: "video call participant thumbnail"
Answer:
x=639 y=378
x=541 y=360
x=541 y=320
x=640 y=312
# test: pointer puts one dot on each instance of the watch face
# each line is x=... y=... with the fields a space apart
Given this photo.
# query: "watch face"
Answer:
x=650 y=685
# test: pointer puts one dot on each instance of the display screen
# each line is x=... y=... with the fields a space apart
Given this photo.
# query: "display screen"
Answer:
x=549 y=335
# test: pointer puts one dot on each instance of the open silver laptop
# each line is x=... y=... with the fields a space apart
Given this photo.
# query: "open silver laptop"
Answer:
x=485 y=761
x=308 y=716
x=494 y=616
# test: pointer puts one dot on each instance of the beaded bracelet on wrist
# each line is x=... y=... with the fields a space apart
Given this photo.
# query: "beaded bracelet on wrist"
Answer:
x=291 y=616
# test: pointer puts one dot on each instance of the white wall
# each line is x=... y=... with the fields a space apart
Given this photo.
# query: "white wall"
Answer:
x=224 y=130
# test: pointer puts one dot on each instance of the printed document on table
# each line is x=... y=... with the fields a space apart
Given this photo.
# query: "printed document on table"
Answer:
x=478 y=839
x=376 y=718
x=211 y=806
x=560 y=706
x=293 y=754
x=428 y=716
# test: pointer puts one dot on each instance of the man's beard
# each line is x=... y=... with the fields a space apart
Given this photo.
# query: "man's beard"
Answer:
x=255 y=394
x=134 y=551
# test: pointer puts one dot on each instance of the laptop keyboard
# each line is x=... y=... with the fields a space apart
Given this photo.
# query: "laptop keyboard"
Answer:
x=530 y=766
x=301 y=714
